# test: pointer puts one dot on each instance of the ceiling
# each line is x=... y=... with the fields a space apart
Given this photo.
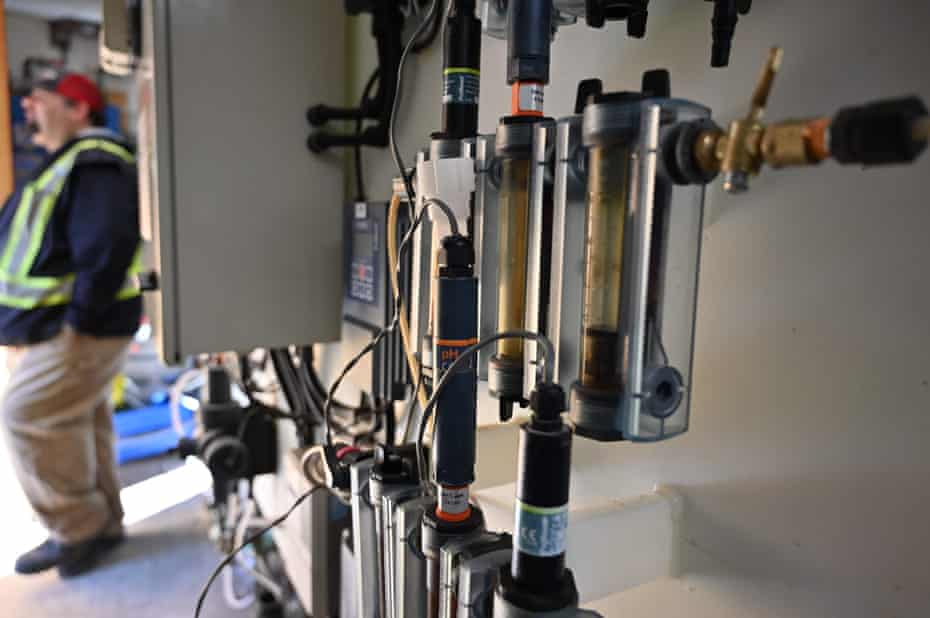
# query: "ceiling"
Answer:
x=88 y=10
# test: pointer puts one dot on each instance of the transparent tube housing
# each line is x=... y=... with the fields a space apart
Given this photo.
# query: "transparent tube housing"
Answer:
x=514 y=218
x=513 y=151
x=608 y=198
x=642 y=252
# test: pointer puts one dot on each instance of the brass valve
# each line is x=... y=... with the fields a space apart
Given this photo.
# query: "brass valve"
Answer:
x=742 y=149
x=740 y=152
x=884 y=132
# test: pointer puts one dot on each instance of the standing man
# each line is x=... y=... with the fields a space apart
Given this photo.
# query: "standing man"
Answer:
x=69 y=305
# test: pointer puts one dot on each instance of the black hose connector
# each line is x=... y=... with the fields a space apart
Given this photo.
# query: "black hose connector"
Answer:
x=547 y=401
x=456 y=256
x=723 y=26
x=395 y=465
x=880 y=133
x=635 y=12
x=726 y=15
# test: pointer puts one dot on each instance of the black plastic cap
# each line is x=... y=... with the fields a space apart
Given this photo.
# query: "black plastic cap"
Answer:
x=529 y=33
x=594 y=14
x=587 y=90
x=548 y=402
x=219 y=387
x=456 y=252
x=657 y=83
x=395 y=464
x=878 y=133
x=635 y=12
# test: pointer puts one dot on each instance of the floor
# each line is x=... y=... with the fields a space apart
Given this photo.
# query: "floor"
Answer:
x=157 y=573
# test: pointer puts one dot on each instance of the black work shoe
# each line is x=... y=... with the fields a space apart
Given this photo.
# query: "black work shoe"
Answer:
x=71 y=559
x=42 y=558
x=78 y=558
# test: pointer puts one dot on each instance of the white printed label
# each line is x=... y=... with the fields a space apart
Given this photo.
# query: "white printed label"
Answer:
x=453 y=500
x=532 y=97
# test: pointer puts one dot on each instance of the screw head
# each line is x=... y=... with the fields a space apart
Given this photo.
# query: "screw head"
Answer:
x=735 y=182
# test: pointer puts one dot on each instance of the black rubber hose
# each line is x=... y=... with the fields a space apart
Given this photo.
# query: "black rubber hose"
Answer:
x=879 y=133
x=291 y=395
x=361 y=194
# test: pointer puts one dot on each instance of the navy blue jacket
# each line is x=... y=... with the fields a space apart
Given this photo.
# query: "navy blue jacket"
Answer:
x=93 y=233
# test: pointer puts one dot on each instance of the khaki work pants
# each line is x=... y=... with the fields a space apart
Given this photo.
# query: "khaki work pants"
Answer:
x=58 y=424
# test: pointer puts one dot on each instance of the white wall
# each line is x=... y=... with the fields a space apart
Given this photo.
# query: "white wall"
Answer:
x=807 y=469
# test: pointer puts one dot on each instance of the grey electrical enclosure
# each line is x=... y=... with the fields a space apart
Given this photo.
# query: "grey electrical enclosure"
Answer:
x=245 y=222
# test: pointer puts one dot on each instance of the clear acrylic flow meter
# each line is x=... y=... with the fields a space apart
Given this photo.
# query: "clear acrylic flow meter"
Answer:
x=642 y=252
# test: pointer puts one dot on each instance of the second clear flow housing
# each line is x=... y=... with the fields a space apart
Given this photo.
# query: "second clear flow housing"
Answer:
x=642 y=253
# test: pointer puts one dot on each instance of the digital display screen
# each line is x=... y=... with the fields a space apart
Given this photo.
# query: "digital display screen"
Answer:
x=363 y=244
x=364 y=262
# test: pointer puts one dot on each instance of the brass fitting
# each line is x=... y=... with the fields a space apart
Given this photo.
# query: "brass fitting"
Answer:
x=742 y=152
x=872 y=134
x=795 y=142
x=709 y=149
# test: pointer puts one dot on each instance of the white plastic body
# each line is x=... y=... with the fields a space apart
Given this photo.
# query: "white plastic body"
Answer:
x=451 y=180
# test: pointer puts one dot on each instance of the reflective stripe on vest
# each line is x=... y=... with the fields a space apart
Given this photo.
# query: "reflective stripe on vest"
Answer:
x=22 y=240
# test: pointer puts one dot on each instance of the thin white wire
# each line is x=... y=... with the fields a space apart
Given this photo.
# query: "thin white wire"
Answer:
x=249 y=520
x=246 y=521
x=177 y=391
x=229 y=592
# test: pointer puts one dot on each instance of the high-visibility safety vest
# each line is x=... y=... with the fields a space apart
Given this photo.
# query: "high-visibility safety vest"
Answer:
x=21 y=241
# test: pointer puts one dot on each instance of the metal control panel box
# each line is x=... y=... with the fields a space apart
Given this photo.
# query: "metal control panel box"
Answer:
x=368 y=300
x=245 y=221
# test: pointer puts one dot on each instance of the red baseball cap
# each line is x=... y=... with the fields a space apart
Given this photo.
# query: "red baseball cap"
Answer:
x=76 y=87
